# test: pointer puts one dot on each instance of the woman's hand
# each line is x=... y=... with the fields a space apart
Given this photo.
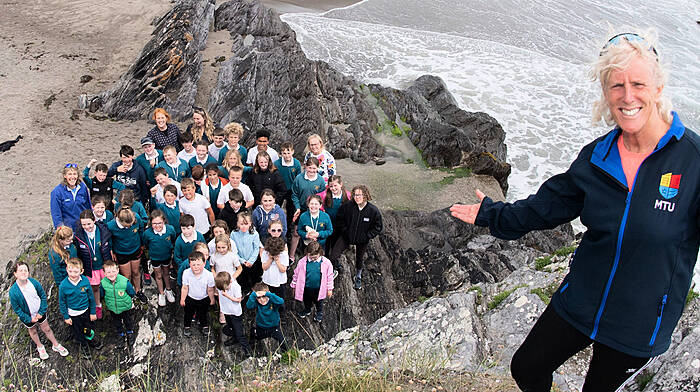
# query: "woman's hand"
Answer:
x=467 y=212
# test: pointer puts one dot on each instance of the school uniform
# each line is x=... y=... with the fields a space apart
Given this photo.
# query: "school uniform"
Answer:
x=172 y=213
x=225 y=149
x=253 y=153
x=145 y=162
x=183 y=247
x=195 y=161
x=248 y=246
x=93 y=248
x=118 y=296
x=275 y=279
x=321 y=223
x=245 y=190
x=160 y=245
x=214 y=151
x=58 y=264
x=228 y=262
x=77 y=303
x=186 y=156
x=233 y=312
x=197 y=300
x=197 y=207
x=212 y=193
x=311 y=282
x=177 y=171
x=160 y=198
x=303 y=188
x=29 y=301
x=267 y=318
x=126 y=241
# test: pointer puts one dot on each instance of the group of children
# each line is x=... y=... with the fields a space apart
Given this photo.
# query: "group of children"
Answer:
x=209 y=234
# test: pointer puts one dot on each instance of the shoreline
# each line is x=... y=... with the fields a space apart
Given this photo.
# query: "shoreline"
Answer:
x=311 y=6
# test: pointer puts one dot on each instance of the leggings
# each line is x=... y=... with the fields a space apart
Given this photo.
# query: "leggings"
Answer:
x=340 y=246
x=552 y=341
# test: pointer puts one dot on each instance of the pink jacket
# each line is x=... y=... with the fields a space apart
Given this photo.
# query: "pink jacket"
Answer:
x=299 y=280
x=322 y=194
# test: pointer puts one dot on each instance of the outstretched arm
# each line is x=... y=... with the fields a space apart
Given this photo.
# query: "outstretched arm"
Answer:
x=468 y=212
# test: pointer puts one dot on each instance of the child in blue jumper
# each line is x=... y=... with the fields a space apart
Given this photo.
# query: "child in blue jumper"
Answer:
x=159 y=240
x=185 y=241
x=267 y=316
x=77 y=304
x=61 y=249
x=171 y=207
x=28 y=300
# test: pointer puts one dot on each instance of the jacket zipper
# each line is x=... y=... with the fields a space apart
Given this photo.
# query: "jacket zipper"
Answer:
x=114 y=291
x=658 y=319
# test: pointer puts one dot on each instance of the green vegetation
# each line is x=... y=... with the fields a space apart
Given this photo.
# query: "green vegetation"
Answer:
x=479 y=292
x=454 y=173
x=545 y=293
x=542 y=262
x=565 y=251
x=644 y=378
x=692 y=295
x=500 y=297
x=290 y=356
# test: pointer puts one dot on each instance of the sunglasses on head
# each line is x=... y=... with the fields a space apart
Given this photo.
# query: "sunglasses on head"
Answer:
x=73 y=165
x=198 y=109
x=629 y=37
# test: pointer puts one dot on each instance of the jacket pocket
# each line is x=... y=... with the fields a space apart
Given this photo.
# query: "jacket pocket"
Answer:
x=659 y=316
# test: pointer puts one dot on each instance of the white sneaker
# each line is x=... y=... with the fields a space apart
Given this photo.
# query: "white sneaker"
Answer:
x=60 y=349
x=42 y=352
x=170 y=296
x=161 y=300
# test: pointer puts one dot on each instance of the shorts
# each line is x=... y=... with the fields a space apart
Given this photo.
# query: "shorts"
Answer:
x=42 y=319
x=96 y=277
x=124 y=259
x=160 y=263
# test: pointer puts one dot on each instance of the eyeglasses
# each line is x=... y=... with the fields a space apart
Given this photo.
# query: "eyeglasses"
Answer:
x=275 y=230
x=629 y=37
x=73 y=165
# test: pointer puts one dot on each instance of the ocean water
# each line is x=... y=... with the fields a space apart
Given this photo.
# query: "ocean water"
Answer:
x=523 y=62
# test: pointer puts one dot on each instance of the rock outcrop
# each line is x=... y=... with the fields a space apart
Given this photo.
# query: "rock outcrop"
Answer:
x=168 y=69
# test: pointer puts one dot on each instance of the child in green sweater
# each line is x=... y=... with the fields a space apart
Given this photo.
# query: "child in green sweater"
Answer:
x=117 y=292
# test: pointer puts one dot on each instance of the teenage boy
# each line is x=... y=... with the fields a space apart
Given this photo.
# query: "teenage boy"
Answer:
x=234 y=177
x=101 y=185
x=131 y=175
x=196 y=205
x=149 y=159
x=218 y=144
x=234 y=134
x=162 y=180
x=262 y=139
x=289 y=167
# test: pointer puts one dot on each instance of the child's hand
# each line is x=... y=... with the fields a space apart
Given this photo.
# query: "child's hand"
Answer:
x=121 y=169
x=182 y=302
x=260 y=293
x=154 y=190
x=330 y=293
x=68 y=321
x=92 y=162
x=35 y=318
x=153 y=162
x=296 y=215
x=93 y=317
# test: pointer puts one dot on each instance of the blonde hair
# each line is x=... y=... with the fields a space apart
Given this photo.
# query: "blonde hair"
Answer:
x=235 y=128
x=62 y=233
x=223 y=238
x=125 y=216
x=202 y=248
x=314 y=136
x=208 y=128
x=616 y=57
x=229 y=154
x=171 y=149
x=74 y=262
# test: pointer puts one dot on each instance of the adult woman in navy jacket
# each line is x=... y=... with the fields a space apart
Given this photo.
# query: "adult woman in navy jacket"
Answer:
x=69 y=198
x=637 y=191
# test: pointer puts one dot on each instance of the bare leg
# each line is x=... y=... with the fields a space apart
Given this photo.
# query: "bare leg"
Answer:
x=165 y=272
x=96 y=293
x=159 y=281
x=125 y=269
x=46 y=328
x=293 y=243
x=135 y=274
x=35 y=336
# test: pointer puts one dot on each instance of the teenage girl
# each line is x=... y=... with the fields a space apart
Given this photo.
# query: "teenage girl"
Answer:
x=314 y=224
x=93 y=242
x=266 y=176
x=333 y=197
x=126 y=245
x=61 y=250
x=233 y=158
x=248 y=244
x=159 y=239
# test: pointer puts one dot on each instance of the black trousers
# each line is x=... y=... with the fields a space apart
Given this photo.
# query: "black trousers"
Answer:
x=200 y=307
x=311 y=298
x=250 y=276
x=234 y=327
x=84 y=329
x=122 y=322
x=260 y=333
x=552 y=341
x=280 y=291
x=340 y=245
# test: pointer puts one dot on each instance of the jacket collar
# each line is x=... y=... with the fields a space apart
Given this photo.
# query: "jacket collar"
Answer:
x=607 y=157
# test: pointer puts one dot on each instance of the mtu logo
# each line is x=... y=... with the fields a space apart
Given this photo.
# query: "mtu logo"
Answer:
x=668 y=187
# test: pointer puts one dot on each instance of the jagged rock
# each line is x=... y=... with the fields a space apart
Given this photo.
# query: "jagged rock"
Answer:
x=268 y=82
x=446 y=135
x=168 y=68
x=110 y=384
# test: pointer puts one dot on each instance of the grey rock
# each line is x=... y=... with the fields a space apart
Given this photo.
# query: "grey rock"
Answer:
x=169 y=66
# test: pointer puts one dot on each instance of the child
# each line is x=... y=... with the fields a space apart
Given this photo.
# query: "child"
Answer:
x=266 y=212
x=230 y=298
x=200 y=247
x=101 y=185
x=149 y=159
x=93 y=241
x=212 y=185
x=126 y=245
x=171 y=207
x=177 y=168
x=224 y=259
x=306 y=184
x=198 y=177
x=234 y=133
x=289 y=167
x=196 y=205
x=266 y=176
x=275 y=230
x=62 y=249
x=28 y=300
x=187 y=152
x=185 y=242
x=99 y=208
x=262 y=139
x=248 y=245
x=218 y=228
x=275 y=261
x=234 y=177
x=77 y=304
x=117 y=292
x=358 y=222
x=313 y=280
x=202 y=157
x=333 y=197
x=218 y=143
x=314 y=224
x=233 y=207
x=159 y=239
x=127 y=200
x=267 y=316
x=162 y=180
x=132 y=176
x=317 y=149
x=197 y=293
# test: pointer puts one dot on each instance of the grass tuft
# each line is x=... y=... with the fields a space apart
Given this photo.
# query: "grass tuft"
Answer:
x=500 y=297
